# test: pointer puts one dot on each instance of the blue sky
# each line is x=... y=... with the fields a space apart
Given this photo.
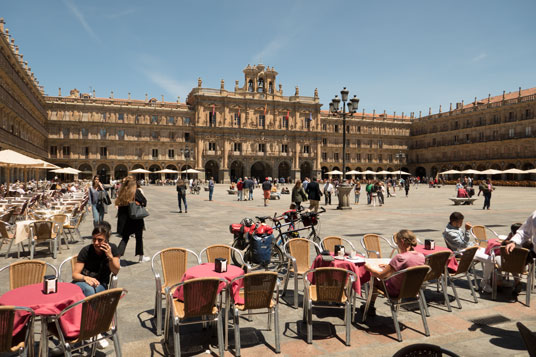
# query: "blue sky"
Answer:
x=398 y=56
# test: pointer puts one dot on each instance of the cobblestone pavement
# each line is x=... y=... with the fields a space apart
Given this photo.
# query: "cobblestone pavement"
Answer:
x=425 y=211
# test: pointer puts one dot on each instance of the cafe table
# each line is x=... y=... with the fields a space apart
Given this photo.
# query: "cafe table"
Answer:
x=452 y=263
x=47 y=306
x=355 y=265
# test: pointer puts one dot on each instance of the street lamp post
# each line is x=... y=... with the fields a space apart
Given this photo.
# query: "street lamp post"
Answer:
x=399 y=156
x=352 y=104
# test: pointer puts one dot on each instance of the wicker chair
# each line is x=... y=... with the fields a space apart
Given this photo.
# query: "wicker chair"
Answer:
x=438 y=267
x=372 y=246
x=480 y=234
x=299 y=261
x=43 y=232
x=329 y=243
x=257 y=292
x=223 y=251
x=22 y=342
x=27 y=272
x=98 y=322
x=412 y=279
x=464 y=267
x=173 y=264
x=423 y=349
x=7 y=237
x=59 y=222
x=529 y=338
x=74 y=225
x=72 y=262
x=200 y=303
x=332 y=286
x=514 y=263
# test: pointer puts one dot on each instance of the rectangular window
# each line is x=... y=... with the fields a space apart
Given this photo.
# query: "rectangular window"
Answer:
x=369 y=157
x=347 y=156
x=336 y=156
x=262 y=147
x=212 y=119
x=139 y=153
x=481 y=136
x=103 y=133
x=121 y=116
x=84 y=133
x=171 y=135
x=380 y=144
x=66 y=151
x=324 y=141
x=528 y=131
x=511 y=132
x=358 y=157
x=358 y=143
x=380 y=158
x=121 y=134
x=66 y=132
x=262 y=121
x=155 y=153
x=236 y=121
x=154 y=119
x=284 y=148
x=324 y=156
x=171 y=120
x=358 y=129
x=324 y=126
x=336 y=128
x=307 y=123
x=154 y=135
x=103 y=151
x=238 y=147
x=103 y=116
x=186 y=121
x=86 y=152
x=171 y=154
x=284 y=122
x=187 y=137
x=212 y=146
x=306 y=149
x=137 y=119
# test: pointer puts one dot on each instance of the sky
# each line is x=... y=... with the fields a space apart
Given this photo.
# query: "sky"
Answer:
x=398 y=56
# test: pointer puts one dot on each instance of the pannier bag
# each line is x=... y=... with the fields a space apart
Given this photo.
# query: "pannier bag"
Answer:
x=309 y=219
x=291 y=216
x=262 y=244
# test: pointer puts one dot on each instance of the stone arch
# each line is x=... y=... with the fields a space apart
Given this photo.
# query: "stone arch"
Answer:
x=86 y=173
x=323 y=170
x=306 y=170
x=120 y=171
x=420 y=172
x=153 y=176
x=212 y=169
x=283 y=170
x=348 y=168
x=185 y=175
x=237 y=170
x=171 y=176
x=434 y=171
x=260 y=170
x=103 y=171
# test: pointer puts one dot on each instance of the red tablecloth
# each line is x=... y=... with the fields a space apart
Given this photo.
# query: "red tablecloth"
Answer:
x=492 y=244
x=362 y=274
x=206 y=270
x=32 y=296
x=452 y=264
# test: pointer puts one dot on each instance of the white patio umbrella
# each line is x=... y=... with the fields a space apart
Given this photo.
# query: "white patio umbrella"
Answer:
x=450 y=172
x=369 y=172
x=191 y=171
x=384 y=172
x=400 y=172
x=491 y=172
x=46 y=165
x=514 y=171
x=167 y=171
x=67 y=170
x=471 y=171
x=10 y=159
x=531 y=171
x=139 y=171
x=353 y=172
x=334 y=172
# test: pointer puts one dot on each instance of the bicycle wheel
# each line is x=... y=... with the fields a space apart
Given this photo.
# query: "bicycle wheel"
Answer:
x=277 y=260
x=243 y=248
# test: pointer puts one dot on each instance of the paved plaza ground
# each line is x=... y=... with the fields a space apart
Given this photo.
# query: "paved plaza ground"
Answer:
x=425 y=211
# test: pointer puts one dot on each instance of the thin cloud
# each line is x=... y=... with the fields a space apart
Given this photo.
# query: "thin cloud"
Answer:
x=272 y=48
x=121 y=13
x=479 y=58
x=80 y=17
x=171 y=86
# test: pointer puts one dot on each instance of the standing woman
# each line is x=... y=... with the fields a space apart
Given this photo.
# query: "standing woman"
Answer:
x=298 y=195
x=486 y=189
x=97 y=197
x=357 y=191
x=181 y=195
x=129 y=192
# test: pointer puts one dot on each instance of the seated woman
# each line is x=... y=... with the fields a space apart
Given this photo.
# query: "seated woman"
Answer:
x=407 y=258
x=96 y=261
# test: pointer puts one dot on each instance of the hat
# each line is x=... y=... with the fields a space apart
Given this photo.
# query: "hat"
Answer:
x=266 y=178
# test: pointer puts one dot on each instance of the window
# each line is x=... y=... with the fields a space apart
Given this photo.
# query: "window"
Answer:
x=187 y=153
x=186 y=121
x=154 y=119
x=358 y=143
x=66 y=133
x=284 y=122
x=103 y=116
x=369 y=157
x=370 y=143
x=358 y=157
x=284 y=147
x=137 y=119
x=139 y=153
x=306 y=149
x=250 y=85
x=347 y=156
x=511 y=132
x=211 y=146
x=155 y=153
x=455 y=139
x=171 y=154
x=528 y=131
x=307 y=123
x=236 y=120
x=238 y=147
x=121 y=116
x=358 y=129
x=84 y=133
x=481 y=136
x=529 y=114
x=324 y=156
x=154 y=135
x=262 y=121
x=324 y=141
x=187 y=137
x=121 y=134
x=434 y=142
x=456 y=125
x=380 y=158
x=103 y=133
x=324 y=126
x=66 y=151
x=171 y=120
x=336 y=128
x=171 y=135
x=336 y=156
x=103 y=151
x=212 y=119
x=86 y=152
x=380 y=144
x=262 y=147
x=467 y=138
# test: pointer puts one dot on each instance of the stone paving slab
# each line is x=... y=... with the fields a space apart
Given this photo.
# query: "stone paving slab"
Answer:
x=425 y=211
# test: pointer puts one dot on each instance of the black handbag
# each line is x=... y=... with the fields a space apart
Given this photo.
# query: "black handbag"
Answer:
x=137 y=211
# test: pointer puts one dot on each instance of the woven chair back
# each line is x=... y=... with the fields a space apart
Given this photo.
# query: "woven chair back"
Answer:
x=481 y=236
x=412 y=281
x=514 y=262
x=259 y=289
x=218 y=251
x=98 y=312
x=7 y=314
x=466 y=260
x=436 y=261
x=3 y=231
x=79 y=220
x=330 y=283
x=59 y=219
x=6 y=217
x=200 y=296
x=299 y=249
x=26 y=272
x=174 y=261
x=372 y=242
x=329 y=243
x=42 y=230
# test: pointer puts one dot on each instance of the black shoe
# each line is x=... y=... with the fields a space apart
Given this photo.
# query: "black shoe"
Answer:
x=180 y=211
x=513 y=297
x=371 y=310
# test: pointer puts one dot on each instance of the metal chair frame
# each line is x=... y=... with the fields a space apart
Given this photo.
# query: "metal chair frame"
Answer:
x=377 y=253
x=38 y=278
x=73 y=259
x=514 y=266
x=440 y=275
x=245 y=266
x=341 y=241
x=52 y=241
x=465 y=265
x=25 y=347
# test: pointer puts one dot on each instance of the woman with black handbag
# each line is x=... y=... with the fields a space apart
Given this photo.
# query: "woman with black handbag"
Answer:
x=130 y=212
x=98 y=199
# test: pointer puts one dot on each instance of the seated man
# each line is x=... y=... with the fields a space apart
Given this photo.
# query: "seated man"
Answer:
x=458 y=238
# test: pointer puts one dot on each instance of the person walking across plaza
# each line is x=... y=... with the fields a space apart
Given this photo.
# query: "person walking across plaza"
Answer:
x=266 y=190
x=98 y=199
x=328 y=189
x=240 y=189
x=210 y=188
x=406 y=186
x=129 y=192
x=181 y=195
x=486 y=187
x=298 y=195
x=314 y=194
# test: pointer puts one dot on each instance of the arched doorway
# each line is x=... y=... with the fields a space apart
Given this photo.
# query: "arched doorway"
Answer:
x=185 y=175
x=348 y=168
x=171 y=176
x=103 y=171
x=86 y=173
x=324 y=170
x=260 y=170
x=369 y=176
x=212 y=170
x=420 y=172
x=138 y=176
x=120 y=171
x=237 y=170
x=153 y=176
x=306 y=170
x=283 y=170
x=379 y=176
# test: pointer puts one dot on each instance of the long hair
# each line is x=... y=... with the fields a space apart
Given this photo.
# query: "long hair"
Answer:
x=297 y=185
x=127 y=192
x=180 y=182
x=93 y=181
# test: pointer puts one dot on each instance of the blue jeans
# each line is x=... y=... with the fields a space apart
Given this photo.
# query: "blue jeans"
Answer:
x=88 y=289
x=251 y=193
x=182 y=198
x=210 y=192
x=98 y=214
x=240 y=195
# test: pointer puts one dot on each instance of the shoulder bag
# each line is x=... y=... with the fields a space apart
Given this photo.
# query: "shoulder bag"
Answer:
x=137 y=211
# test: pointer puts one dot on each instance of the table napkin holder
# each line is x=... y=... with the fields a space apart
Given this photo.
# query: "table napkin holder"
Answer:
x=339 y=248
x=50 y=284
x=326 y=256
x=429 y=244
x=220 y=265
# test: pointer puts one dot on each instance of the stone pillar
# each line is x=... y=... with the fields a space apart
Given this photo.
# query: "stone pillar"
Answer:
x=225 y=177
x=199 y=154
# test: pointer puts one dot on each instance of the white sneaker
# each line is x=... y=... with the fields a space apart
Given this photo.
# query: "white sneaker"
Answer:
x=102 y=344
x=486 y=287
x=144 y=259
